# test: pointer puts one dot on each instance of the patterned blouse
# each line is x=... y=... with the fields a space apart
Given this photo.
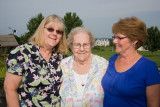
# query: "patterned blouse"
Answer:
x=41 y=79
x=93 y=92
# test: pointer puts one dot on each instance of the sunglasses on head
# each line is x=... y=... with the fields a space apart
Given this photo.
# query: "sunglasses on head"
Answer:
x=52 y=30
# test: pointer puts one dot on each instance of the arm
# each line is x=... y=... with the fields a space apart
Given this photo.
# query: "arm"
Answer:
x=11 y=85
x=153 y=95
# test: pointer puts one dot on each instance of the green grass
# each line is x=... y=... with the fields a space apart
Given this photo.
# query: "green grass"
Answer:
x=2 y=67
x=105 y=52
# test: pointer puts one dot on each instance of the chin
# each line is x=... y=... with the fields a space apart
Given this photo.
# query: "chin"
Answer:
x=117 y=51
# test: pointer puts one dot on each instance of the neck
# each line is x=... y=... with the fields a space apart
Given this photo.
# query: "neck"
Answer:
x=46 y=53
x=130 y=56
x=85 y=62
x=46 y=50
x=82 y=67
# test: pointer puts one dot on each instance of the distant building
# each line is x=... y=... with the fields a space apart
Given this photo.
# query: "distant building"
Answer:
x=8 y=41
x=102 y=42
x=141 y=49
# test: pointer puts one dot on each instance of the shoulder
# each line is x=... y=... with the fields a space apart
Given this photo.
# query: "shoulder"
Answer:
x=150 y=71
x=100 y=62
x=67 y=60
x=66 y=64
x=23 y=48
x=20 y=53
x=113 y=57
x=99 y=59
x=147 y=63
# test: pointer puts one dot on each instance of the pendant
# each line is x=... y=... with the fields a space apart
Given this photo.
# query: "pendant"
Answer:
x=83 y=84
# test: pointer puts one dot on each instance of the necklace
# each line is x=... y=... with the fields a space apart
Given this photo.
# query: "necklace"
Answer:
x=84 y=77
x=83 y=84
x=80 y=79
x=82 y=70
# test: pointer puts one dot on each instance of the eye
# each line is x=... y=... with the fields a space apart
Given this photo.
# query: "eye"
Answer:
x=76 y=44
x=59 y=32
x=50 y=29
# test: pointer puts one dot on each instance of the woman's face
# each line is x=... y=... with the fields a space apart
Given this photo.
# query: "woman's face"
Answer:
x=122 y=43
x=81 y=47
x=52 y=35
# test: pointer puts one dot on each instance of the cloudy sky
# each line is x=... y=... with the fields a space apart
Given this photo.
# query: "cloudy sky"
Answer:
x=97 y=15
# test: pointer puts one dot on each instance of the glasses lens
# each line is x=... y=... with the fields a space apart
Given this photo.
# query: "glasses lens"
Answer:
x=113 y=37
x=57 y=31
x=78 y=45
x=86 y=45
x=50 y=29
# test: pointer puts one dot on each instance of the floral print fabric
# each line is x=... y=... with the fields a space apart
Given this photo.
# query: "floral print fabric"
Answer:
x=41 y=79
x=93 y=92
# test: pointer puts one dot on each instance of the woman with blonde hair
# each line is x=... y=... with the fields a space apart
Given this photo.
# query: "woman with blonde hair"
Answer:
x=33 y=75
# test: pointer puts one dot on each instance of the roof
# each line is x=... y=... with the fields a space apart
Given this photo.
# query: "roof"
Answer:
x=8 y=41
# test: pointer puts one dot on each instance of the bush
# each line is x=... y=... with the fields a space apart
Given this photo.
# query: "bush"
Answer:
x=98 y=48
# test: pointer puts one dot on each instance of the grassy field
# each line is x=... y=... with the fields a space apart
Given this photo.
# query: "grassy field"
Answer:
x=105 y=52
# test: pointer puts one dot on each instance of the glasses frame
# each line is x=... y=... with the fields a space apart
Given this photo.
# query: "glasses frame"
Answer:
x=49 y=29
x=78 y=45
x=118 y=38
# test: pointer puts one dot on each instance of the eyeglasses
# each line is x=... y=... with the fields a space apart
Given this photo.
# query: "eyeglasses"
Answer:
x=52 y=30
x=78 y=45
x=118 y=38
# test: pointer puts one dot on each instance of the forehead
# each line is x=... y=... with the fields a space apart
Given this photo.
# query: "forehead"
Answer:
x=119 y=34
x=81 y=38
x=54 y=24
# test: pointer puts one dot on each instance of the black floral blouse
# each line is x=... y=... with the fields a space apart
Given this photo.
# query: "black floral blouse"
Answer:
x=41 y=79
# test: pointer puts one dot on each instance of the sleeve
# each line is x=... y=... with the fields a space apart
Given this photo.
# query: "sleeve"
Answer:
x=104 y=65
x=16 y=62
x=100 y=63
x=152 y=74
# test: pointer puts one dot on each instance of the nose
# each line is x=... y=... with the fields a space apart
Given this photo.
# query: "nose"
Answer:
x=81 y=48
x=54 y=33
x=115 y=41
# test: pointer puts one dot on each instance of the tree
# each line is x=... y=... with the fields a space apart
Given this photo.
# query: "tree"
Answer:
x=31 y=27
x=153 y=39
x=71 y=20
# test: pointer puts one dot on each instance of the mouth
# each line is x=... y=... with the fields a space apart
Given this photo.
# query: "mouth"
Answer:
x=53 y=37
x=81 y=53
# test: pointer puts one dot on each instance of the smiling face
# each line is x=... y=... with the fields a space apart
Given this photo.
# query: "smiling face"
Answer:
x=83 y=51
x=51 y=35
x=122 y=43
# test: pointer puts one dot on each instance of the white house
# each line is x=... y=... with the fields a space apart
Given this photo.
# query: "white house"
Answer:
x=141 y=49
x=102 y=42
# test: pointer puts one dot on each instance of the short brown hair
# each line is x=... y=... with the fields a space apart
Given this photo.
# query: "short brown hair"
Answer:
x=77 y=30
x=37 y=39
x=133 y=28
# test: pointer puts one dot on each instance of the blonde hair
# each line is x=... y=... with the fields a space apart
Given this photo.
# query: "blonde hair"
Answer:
x=133 y=28
x=77 y=30
x=37 y=39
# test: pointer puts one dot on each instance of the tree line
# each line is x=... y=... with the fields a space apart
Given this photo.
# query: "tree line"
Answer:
x=72 y=20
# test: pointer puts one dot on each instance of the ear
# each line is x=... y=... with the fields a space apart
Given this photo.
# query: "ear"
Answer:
x=135 y=42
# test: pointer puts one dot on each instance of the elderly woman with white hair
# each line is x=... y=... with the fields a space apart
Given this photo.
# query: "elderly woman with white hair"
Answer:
x=82 y=72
